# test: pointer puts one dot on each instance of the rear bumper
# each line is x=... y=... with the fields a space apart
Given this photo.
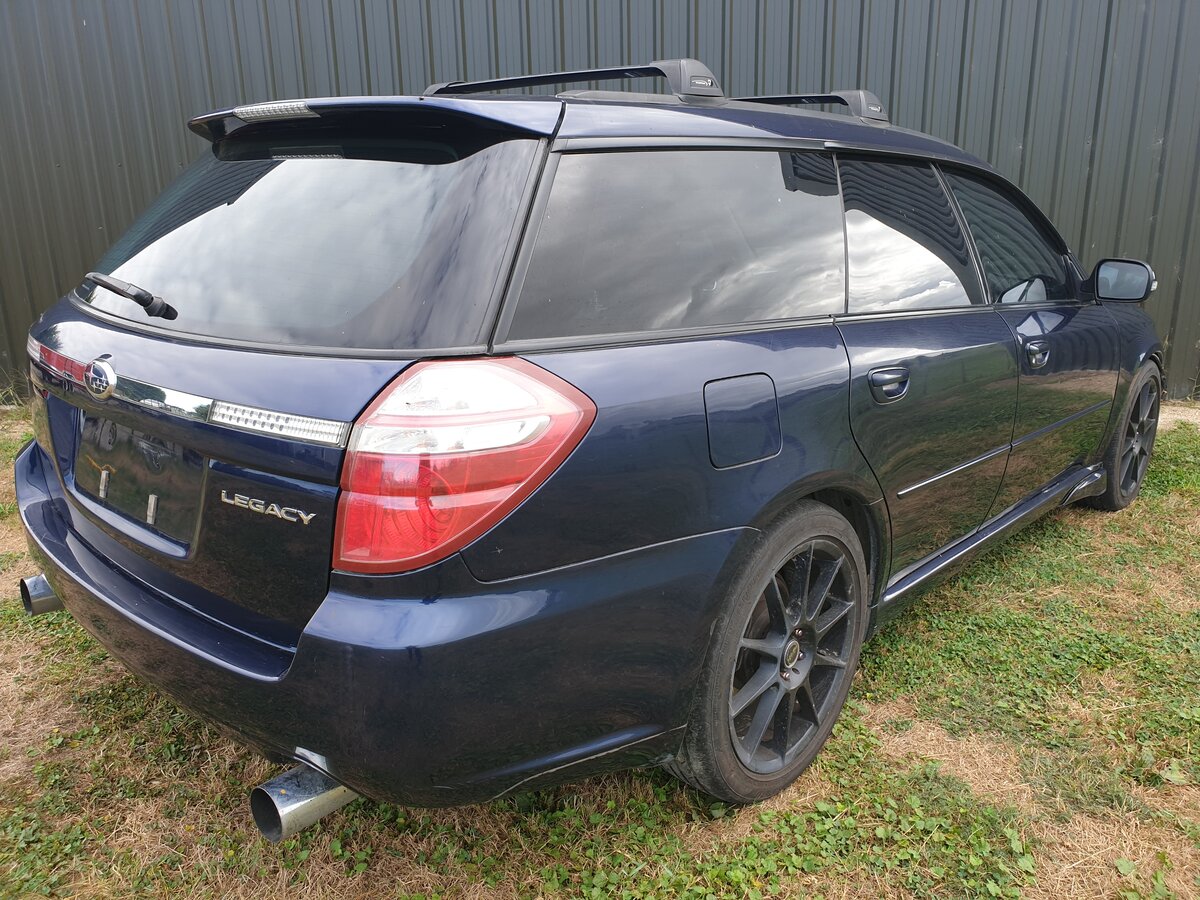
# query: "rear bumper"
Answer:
x=451 y=693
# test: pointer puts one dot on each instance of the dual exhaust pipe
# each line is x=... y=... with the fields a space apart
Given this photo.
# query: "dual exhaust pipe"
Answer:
x=282 y=806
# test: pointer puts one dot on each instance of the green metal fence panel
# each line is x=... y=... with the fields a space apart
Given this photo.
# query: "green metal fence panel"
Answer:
x=1092 y=106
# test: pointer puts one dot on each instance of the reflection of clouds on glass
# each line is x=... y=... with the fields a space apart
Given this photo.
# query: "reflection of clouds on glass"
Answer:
x=906 y=247
x=342 y=252
x=889 y=270
x=1040 y=322
x=319 y=228
x=773 y=286
x=658 y=240
x=1019 y=263
x=1032 y=291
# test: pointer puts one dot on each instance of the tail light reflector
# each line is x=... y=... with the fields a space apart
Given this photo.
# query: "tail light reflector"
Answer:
x=444 y=453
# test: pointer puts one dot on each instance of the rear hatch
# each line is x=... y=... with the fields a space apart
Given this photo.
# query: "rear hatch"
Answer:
x=310 y=260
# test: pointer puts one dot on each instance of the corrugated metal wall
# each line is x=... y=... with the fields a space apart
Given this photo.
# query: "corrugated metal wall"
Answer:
x=1093 y=106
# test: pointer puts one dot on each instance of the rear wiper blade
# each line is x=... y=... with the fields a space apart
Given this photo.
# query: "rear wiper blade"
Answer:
x=154 y=305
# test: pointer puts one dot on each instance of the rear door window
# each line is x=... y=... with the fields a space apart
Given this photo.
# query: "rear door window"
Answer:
x=389 y=237
x=657 y=240
x=905 y=247
x=1020 y=263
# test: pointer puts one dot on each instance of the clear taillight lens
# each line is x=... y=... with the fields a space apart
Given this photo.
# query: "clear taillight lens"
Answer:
x=445 y=452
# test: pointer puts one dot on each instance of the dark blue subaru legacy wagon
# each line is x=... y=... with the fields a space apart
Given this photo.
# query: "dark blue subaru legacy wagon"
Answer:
x=471 y=442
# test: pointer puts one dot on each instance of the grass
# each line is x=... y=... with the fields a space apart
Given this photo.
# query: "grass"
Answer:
x=1031 y=728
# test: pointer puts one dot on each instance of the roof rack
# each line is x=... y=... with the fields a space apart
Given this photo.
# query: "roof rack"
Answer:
x=688 y=78
x=863 y=104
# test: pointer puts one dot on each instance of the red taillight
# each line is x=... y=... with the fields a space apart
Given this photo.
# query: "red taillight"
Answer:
x=444 y=453
x=53 y=360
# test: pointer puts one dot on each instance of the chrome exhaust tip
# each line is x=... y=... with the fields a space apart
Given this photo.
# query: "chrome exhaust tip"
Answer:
x=296 y=799
x=38 y=597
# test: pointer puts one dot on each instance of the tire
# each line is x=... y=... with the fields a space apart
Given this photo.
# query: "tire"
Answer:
x=1128 y=453
x=780 y=665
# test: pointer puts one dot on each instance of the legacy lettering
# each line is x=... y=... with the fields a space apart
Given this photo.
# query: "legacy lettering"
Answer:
x=287 y=513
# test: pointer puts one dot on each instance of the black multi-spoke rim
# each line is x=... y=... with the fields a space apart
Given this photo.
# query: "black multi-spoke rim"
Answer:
x=794 y=658
x=1139 y=436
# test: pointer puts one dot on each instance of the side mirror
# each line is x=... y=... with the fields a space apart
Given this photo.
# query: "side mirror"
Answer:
x=1123 y=280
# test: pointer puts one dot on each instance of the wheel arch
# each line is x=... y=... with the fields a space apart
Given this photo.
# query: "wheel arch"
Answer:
x=857 y=500
x=1156 y=356
x=1137 y=344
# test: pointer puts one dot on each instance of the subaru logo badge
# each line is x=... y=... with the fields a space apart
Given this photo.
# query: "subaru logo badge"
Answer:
x=99 y=379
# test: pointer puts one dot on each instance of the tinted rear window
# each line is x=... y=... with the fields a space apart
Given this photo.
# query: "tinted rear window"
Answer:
x=656 y=240
x=389 y=241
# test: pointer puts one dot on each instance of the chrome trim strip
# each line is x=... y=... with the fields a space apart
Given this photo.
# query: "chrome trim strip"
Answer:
x=192 y=407
x=991 y=454
x=1042 y=432
x=964 y=548
x=164 y=400
x=36 y=364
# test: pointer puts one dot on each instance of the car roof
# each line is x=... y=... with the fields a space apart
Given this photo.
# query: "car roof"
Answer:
x=605 y=115
x=694 y=108
x=592 y=117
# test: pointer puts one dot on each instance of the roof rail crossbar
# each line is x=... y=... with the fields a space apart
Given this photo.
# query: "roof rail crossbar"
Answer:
x=863 y=104
x=687 y=78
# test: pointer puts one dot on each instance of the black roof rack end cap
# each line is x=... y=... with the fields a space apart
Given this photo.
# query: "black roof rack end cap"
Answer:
x=689 y=77
x=864 y=104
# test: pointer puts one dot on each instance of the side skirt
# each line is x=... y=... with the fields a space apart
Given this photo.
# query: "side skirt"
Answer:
x=1072 y=485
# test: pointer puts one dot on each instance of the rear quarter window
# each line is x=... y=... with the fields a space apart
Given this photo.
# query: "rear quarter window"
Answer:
x=647 y=241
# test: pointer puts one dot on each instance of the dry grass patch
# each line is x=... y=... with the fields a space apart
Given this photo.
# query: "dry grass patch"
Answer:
x=28 y=713
x=1077 y=858
x=707 y=837
x=1178 y=801
x=13 y=544
x=889 y=713
x=34 y=706
x=1084 y=856
x=991 y=769
x=14 y=430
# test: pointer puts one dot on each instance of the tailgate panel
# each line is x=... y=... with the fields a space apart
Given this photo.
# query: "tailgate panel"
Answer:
x=242 y=522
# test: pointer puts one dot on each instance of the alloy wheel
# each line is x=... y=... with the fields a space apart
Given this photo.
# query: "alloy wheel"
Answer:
x=1139 y=436
x=794 y=657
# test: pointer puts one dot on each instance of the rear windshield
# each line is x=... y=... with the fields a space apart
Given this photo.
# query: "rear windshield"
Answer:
x=380 y=241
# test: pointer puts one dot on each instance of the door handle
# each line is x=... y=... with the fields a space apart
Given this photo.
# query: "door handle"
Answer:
x=1038 y=353
x=888 y=385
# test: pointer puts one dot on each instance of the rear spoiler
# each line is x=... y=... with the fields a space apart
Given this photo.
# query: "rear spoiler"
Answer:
x=525 y=116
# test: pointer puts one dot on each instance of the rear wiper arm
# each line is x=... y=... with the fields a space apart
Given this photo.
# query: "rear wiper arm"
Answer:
x=154 y=305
